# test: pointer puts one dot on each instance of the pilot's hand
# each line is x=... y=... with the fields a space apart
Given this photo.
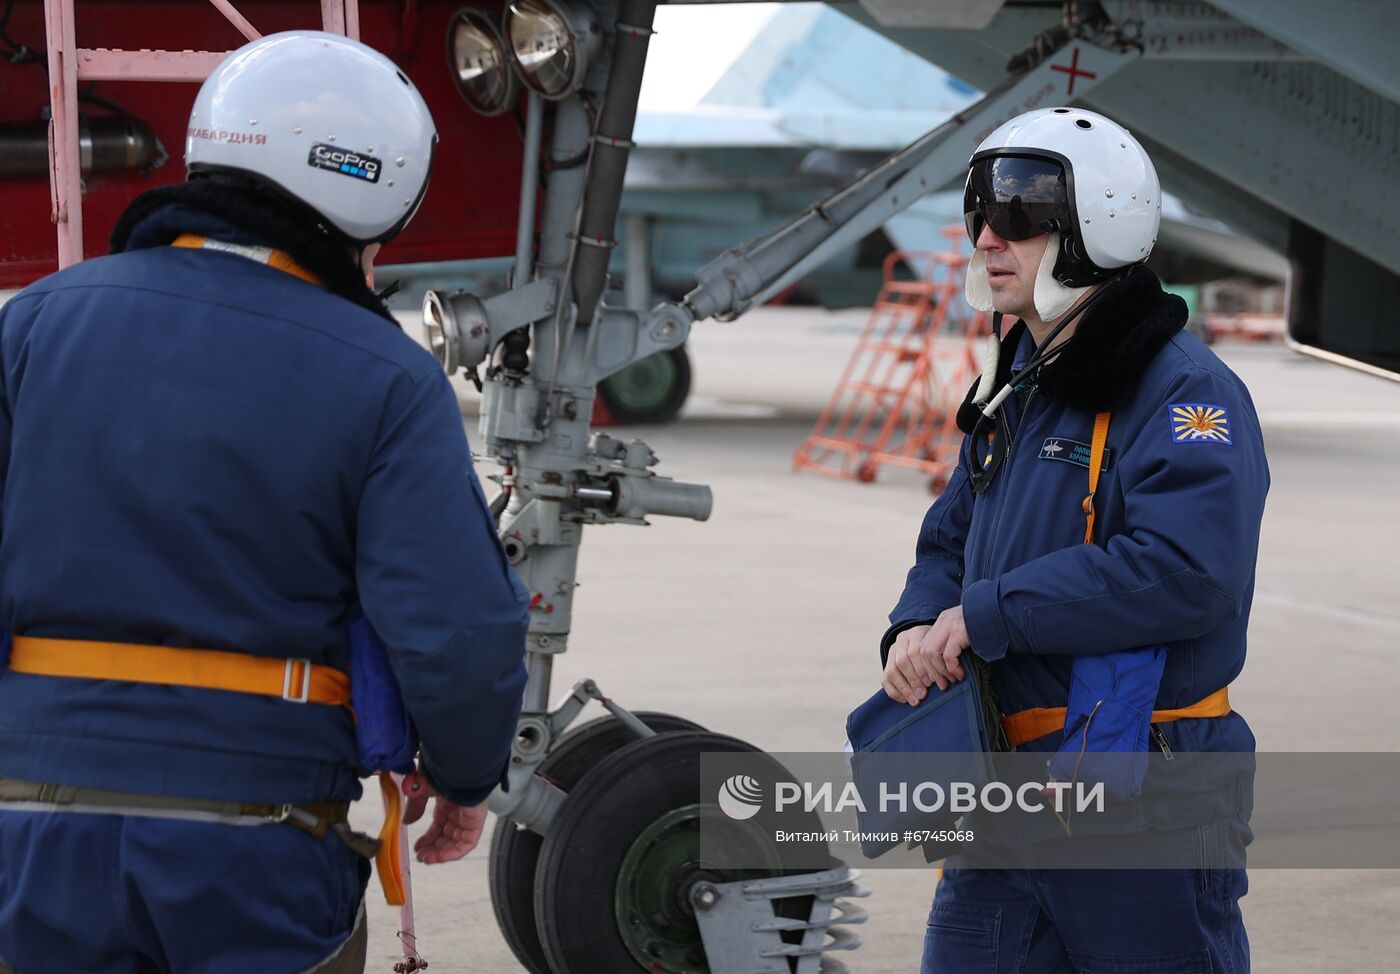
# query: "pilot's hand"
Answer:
x=455 y=829
x=942 y=645
x=906 y=677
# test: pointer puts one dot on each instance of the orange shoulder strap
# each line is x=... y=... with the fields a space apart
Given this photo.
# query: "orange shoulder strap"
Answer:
x=1096 y=449
x=278 y=259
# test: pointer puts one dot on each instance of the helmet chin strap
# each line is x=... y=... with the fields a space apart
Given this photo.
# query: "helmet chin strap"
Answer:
x=1051 y=298
x=977 y=287
x=1046 y=352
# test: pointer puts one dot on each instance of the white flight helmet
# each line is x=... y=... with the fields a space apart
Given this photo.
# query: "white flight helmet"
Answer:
x=326 y=120
x=1071 y=173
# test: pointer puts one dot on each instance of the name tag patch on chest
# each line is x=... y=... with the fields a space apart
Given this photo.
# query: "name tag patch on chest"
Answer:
x=1064 y=449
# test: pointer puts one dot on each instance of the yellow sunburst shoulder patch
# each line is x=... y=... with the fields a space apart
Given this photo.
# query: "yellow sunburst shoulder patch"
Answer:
x=1199 y=422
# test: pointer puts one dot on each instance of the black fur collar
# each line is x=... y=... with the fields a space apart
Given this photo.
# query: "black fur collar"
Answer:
x=253 y=214
x=1112 y=346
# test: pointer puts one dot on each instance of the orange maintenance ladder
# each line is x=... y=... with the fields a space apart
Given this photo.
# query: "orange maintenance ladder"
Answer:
x=896 y=402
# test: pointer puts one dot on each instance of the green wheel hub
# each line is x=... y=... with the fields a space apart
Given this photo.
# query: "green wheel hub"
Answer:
x=646 y=386
x=652 y=894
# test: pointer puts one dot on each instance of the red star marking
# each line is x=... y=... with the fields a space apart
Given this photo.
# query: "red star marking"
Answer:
x=1073 y=71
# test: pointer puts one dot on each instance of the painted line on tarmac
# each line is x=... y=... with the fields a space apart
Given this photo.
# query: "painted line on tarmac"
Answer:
x=1361 y=617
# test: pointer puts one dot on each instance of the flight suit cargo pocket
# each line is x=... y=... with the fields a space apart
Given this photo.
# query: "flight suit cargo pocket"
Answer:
x=962 y=938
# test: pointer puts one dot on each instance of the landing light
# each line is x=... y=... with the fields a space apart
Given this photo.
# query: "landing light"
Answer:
x=552 y=42
x=481 y=69
x=456 y=329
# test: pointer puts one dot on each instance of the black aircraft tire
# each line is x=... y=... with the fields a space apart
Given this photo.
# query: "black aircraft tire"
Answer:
x=515 y=851
x=580 y=894
x=650 y=391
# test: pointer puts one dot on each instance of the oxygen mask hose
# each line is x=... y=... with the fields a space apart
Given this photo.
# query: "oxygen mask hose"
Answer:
x=981 y=474
x=1049 y=353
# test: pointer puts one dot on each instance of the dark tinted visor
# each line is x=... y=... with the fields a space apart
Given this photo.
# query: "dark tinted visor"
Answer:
x=1017 y=197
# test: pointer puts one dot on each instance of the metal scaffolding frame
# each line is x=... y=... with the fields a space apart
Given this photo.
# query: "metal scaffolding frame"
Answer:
x=70 y=64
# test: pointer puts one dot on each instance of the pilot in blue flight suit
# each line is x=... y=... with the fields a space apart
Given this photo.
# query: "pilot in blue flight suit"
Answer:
x=216 y=447
x=1063 y=207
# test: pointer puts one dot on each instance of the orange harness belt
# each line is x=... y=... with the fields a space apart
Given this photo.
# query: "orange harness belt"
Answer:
x=1028 y=725
x=295 y=680
x=1025 y=726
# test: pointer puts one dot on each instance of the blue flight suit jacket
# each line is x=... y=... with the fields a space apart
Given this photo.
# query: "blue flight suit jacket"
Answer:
x=1178 y=512
x=199 y=450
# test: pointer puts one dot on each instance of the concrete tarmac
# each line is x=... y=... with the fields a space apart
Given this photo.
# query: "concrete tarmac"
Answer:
x=763 y=623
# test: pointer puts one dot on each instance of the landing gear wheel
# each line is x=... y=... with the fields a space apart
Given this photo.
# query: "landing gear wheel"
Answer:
x=612 y=888
x=515 y=851
x=650 y=391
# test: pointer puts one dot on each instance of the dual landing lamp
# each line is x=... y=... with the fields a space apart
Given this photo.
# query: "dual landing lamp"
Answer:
x=545 y=44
